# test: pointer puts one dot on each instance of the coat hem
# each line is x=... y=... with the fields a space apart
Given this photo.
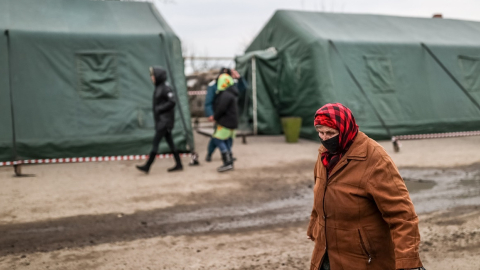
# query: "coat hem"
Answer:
x=406 y=263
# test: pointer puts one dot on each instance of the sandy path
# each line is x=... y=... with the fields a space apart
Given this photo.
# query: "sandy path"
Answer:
x=108 y=216
x=447 y=244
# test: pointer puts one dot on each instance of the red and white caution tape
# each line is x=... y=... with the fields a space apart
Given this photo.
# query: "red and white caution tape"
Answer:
x=197 y=93
x=84 y=159
x=436 y=135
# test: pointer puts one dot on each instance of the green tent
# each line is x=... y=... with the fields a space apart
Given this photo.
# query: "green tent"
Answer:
x=74 y=79
x=398 y=75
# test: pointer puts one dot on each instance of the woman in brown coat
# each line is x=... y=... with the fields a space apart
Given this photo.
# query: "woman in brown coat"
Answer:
x=362 y=215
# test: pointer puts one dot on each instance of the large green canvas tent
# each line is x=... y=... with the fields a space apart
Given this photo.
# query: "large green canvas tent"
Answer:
x=74 y=79
x=399 y=75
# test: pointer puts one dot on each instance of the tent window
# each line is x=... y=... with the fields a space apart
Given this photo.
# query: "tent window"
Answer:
x=97 y=72
x=380 y=74
x=470 y=67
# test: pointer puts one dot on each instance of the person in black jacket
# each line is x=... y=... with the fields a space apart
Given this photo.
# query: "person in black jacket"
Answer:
x=225 y=114
x=164 y=116
x=241 y=85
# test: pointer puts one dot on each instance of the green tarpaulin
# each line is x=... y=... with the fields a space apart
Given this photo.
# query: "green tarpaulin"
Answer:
x=398 y=80
x=80 y=84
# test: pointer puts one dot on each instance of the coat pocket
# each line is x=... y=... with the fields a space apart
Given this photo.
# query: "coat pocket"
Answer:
x=320 y=245
x=319 y=233
x=311 y=230
x=365 y=245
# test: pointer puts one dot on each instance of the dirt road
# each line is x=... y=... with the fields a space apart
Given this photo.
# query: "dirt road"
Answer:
x=108 y=216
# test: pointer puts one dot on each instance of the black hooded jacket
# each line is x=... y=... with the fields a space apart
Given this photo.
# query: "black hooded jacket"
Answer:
x=163 y=101
x=225 y=108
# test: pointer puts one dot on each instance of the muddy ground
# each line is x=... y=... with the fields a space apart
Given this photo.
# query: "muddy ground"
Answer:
x=109 y=216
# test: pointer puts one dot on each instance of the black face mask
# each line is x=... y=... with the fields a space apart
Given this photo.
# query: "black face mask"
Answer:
x=331 y=144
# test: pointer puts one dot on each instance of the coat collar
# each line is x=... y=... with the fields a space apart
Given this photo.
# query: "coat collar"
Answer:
x=357 y=151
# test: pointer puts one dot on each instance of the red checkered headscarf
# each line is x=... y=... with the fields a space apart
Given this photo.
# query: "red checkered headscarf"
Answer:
x=339 y=117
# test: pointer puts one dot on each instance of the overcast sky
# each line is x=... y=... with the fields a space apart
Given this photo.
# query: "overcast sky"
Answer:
x=225 y=28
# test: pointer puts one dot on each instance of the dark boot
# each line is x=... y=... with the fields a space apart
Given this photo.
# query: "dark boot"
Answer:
x=227 y=162
x=232 y=157
x=208 y=158
x=146 y=167
x=194 y=159
x=178 y=163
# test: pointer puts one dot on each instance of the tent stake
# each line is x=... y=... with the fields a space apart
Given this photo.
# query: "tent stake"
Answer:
x=18 y=170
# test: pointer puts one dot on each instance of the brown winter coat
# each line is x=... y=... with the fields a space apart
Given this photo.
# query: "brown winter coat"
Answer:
x=362 y=214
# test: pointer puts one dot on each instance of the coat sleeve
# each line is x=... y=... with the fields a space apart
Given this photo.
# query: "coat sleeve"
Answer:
x=222 y=106
x=242 y=85
x=167 y=104
x=209 y=99
x=314 y=214
x=388 y=189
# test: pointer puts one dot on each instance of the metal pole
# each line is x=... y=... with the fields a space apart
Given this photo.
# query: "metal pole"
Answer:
x=245 y=114
x=254 y=94
x=16 y=167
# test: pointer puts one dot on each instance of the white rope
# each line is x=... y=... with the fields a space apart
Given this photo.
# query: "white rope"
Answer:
x=84 y=159
x=436 y=135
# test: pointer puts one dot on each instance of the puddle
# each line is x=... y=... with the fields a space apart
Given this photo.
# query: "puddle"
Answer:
x=437 y=189
x=470 y=183
x=417 y=186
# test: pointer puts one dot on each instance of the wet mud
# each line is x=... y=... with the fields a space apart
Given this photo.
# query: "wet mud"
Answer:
x=433 y=189
x=268 y=197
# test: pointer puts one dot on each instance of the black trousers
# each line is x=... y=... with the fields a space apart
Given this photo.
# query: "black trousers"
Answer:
x=159 y=134
x=326 y=263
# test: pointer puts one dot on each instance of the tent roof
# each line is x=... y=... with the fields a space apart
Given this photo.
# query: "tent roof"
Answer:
x=339 y=27
x=81 y=16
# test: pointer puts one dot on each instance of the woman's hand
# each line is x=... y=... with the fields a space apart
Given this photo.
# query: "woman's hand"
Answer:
x=235 y=74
